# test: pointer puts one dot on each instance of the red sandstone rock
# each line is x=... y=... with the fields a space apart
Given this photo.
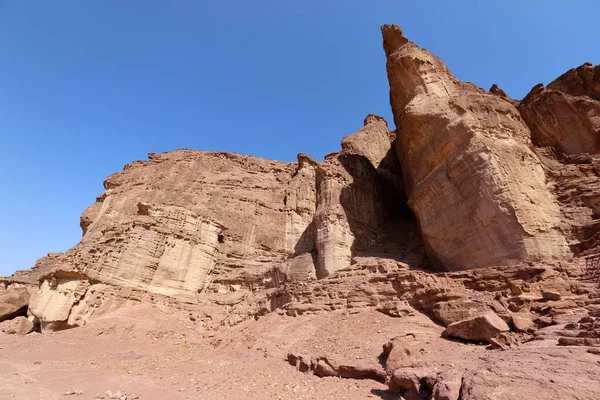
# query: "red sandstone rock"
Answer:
x=230 y=264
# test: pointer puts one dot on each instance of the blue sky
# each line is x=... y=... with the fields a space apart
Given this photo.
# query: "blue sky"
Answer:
x=88 y=86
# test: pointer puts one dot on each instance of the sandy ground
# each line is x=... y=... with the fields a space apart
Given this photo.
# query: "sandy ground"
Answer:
x=143 y=353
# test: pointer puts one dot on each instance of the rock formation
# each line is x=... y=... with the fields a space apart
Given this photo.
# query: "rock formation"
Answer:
x=477 y=188
x=477 y=219
x=566 y=113
x=196 y=226
x=13 y=302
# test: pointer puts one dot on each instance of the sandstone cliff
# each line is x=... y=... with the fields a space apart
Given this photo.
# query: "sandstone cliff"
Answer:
x=216 y=227
x=477 y=219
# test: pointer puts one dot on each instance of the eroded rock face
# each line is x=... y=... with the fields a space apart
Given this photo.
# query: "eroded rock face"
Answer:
x=566 y=113
x=472 y=179
x=575 y=181
x=163 y=225
x=356 y=190
x=216 y=227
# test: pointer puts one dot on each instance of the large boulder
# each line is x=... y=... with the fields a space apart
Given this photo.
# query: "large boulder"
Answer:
x=472 y=179
x=13 y=302
x=17 y=326
x=448 y=312
x=481 y=328
x=399 y=354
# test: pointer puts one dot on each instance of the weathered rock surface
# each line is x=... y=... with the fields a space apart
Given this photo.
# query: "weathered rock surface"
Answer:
x=321 y=263
x=457 y=310
x=324 y=366
x=17 y=326
x=575 y=181
x=566 y=113
x=213 y=228
x=476 y=187
x=13 y=302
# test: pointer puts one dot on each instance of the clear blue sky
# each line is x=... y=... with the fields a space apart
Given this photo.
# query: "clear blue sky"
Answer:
x=88 y=86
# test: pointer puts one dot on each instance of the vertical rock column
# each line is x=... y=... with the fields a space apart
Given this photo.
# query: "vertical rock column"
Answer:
x=477 y=189
x=351 y=212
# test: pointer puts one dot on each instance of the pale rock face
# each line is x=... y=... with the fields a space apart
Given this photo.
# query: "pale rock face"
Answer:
x=334 y=238
x=300 y=204
x=566 y=113
x=180 y=224
x=165 y=249
x=53 y=303
x=163 y=225
x=476 y=187
x=66 y=299
x=17 y=326
x=354 y=190
x=372 y=141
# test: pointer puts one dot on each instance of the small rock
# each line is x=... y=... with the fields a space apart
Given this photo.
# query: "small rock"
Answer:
x=551 y=295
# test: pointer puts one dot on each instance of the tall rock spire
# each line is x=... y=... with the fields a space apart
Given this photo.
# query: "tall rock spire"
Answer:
x=475 y=185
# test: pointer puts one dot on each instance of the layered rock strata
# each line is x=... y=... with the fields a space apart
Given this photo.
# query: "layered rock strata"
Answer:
x=216 y=227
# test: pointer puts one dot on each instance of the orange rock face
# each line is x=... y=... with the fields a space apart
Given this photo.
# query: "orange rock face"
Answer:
x=475 y=185
x=566 y=113
x=323 y=264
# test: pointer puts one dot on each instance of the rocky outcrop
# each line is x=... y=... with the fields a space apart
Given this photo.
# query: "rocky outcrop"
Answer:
x=13 y=302
x=200 y=226
x=164 y=225
x=357 y=194
x=564 y=118
x=566 y=113
x=222 y=239
x=324 y=366
x=475 y=185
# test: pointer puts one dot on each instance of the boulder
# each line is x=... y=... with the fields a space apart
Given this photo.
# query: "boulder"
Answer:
x=17 y=326
x=410 y=383
x=522 y=324
x=421 y=384
x=448 y=312
x=472 y=179
x=551 y=295
x=399 y=354
x=481 y=328
x=13 y=302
